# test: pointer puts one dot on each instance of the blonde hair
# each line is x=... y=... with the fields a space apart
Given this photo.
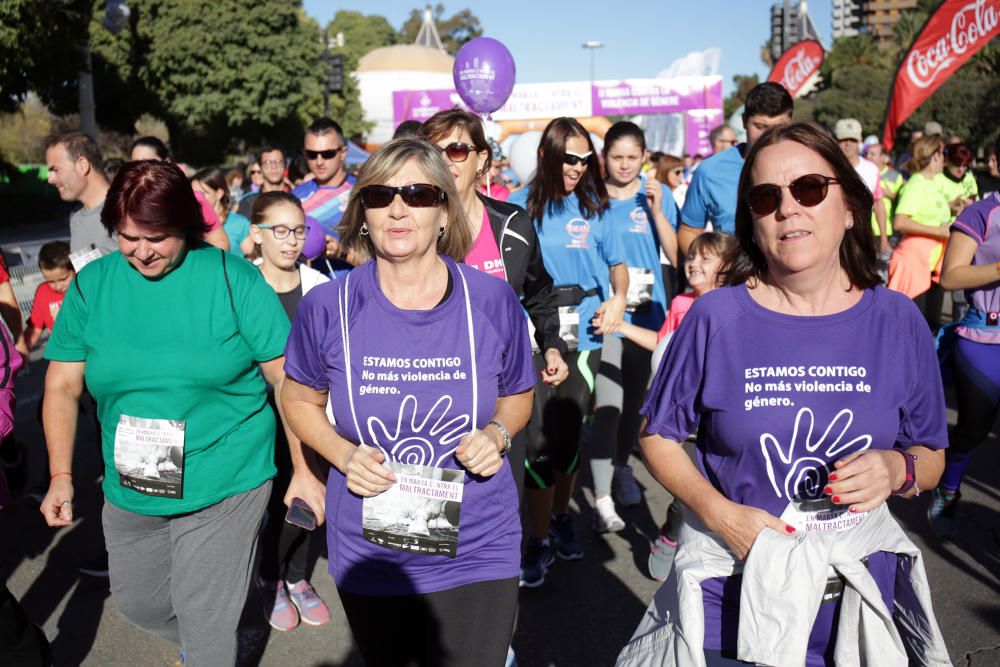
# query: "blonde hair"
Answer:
x=384 y=163
x=923 y=150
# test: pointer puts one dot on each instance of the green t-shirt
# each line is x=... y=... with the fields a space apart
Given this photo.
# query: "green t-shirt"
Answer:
x=965 y=188
x=172 y=349
x=922 y=200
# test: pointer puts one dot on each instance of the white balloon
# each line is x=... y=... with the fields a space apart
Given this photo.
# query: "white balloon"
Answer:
x=523 y=156
x=598 y=142
x=507 y=142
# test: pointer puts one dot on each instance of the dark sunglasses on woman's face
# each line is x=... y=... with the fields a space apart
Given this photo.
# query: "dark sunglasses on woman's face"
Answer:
x=419 y=195
x=458 y=151
x=809 y=190
x=572 y=159
x=327 y=155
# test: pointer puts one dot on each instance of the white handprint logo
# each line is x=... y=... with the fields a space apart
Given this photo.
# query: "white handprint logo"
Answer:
x=808 y=474
x=425 y=434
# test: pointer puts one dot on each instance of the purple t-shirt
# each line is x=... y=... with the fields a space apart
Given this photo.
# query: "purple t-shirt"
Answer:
x=776 y=399
x=981 y=222
x=407 y=382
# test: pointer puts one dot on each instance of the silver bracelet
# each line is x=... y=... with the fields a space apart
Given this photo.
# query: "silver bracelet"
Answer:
x=504 y=433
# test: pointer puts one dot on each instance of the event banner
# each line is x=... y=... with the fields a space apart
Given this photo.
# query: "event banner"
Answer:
x=952 y=35
x=798 y=68
x=576 y=98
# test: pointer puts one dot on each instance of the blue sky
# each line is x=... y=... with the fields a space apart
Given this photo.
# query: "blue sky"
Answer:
x=640 y=38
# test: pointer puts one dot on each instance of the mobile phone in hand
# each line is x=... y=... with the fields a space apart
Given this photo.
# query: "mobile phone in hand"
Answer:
x=300 y=515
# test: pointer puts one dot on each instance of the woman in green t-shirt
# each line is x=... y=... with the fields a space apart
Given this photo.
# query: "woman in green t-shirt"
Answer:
x=956 y=179
x=923 y=218
x=176 y=339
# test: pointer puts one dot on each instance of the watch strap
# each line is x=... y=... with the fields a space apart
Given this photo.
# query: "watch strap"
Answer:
x=911 y=474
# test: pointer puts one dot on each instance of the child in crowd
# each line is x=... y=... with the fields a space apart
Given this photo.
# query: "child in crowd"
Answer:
x=58 y=273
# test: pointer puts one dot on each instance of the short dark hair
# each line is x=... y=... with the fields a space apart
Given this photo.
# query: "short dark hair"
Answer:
x=767 y=99
x=322 y=126
x=155 y=196
x=270 y=148
x=547 y=189
x=156 y=144
x=214 y=178
x=958 y=155
x=298 y=168
x=621 y=130
x=77 y=145
x=443 y=122
x=54 y=255
x=858 y=250
x=408 y=128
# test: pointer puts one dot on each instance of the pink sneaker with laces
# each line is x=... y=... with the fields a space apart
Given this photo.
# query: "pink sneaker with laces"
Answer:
x=312 y=609
x=279 y=611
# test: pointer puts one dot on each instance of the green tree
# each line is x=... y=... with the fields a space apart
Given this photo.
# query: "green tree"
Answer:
x=743 y=84
x=455 y=31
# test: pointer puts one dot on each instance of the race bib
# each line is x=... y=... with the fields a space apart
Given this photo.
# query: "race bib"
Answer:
x=569 y=326
x=84 y=256
x=639 y=298
x=149 y=456
x=419 y=514
x=820 y=516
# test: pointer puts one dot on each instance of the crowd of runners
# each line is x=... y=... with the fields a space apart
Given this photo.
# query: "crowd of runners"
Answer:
x=420 y=354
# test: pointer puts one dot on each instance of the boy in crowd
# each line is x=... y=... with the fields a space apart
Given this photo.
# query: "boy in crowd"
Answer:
x=57 y=270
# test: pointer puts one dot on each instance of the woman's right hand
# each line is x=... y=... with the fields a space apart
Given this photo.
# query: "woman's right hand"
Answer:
x=306 y=486
x=57 y=506
x=366 y=476
x=739 y=526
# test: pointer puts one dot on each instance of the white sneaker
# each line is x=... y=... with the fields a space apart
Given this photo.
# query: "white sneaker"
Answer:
x=627 y=490
x=606 y=519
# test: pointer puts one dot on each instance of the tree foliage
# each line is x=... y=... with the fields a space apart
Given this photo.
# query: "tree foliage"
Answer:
x=455 y=31
x=742 y=85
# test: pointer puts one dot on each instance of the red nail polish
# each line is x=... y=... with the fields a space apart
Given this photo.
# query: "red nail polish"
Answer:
x=790 y=529
x=851 y=509
x=833 y=477
x=827 y=490
x=836 y=499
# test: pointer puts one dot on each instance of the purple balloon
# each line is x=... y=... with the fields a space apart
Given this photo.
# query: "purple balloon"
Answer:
x=315 y=239
x=484 y=74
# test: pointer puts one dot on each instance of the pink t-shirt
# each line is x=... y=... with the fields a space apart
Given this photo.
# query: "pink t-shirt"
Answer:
x=208 y=211
x=496 y=191
x=485 y=253
x=679 y=306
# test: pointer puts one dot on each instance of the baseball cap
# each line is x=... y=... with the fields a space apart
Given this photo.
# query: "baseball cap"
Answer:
x=933 y=127
x=848 y=128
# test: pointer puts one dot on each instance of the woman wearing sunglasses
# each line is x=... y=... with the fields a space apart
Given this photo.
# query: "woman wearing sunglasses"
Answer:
x=505 y=242
x=815 y=395
x=568 y=203
x=427 y=366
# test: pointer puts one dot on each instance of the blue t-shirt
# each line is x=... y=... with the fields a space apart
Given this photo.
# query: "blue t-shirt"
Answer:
x=237 y=228
x=633 y=222
x=577 y=251
x=713 y=191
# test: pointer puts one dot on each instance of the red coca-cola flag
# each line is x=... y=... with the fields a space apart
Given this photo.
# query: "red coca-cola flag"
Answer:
x=798 y=67
x=952 y=35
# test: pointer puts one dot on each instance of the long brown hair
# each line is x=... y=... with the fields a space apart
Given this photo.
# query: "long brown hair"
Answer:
x=858 y=250
x=547 y=189
x=443 y=122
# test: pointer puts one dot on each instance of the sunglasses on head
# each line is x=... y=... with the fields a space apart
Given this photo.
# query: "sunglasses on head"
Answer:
x=572 y=159
x=458 y=151
x=420 y=195
x=809 y=190
x=327 y=155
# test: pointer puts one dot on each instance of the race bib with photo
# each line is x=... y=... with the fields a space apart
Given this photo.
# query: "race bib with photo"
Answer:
x=419 y=514
x=640 y=289
x=149 y=456
x=84 y=256
x=820 y=516
x=569 y=326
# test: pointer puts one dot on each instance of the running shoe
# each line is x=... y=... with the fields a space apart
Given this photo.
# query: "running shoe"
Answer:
x=312 y=609
x=661 y=558
x=562 y=533
x=606 y=519
x=626 y=489
x=511 y=659
x=535 y=563
x=942 y=513
x=279 y=611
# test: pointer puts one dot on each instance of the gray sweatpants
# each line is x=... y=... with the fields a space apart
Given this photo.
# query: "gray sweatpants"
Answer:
x=185 y=577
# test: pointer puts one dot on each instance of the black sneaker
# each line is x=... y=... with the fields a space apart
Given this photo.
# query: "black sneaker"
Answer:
x=95 y=567
x=564 y=537
x=942 y=512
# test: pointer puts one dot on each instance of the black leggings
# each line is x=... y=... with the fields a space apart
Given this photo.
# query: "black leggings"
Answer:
x=469 y=625
x=930 y=304
x=553 y=432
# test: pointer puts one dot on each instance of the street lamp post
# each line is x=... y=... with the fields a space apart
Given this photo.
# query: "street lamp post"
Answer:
x=592 y=45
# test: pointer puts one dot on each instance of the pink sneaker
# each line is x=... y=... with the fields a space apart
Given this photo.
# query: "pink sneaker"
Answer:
x=279 y=611
x=311 y=607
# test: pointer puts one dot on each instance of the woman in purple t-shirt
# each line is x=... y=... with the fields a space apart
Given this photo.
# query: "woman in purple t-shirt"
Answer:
x=427 y=368
x=810 y=386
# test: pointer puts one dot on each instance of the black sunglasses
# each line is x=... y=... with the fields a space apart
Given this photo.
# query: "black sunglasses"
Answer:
x=458 y=151
x=327 y=155
x=420 y=195
x=572 y=159
x=809 y=190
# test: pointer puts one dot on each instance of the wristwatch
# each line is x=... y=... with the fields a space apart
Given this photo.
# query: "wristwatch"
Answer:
x=504 y=433
x=911 y=474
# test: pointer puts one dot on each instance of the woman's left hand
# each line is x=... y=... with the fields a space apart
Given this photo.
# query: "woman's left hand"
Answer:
x=611 y=313
x=865 y=479
x=653 y=192
x=480 y=454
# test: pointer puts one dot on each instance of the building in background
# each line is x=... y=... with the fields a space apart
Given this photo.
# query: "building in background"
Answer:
x=790 y=24
x=876 y=17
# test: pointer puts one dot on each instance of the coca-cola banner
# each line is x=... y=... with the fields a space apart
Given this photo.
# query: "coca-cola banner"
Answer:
x=952 y=35
x=798 y=67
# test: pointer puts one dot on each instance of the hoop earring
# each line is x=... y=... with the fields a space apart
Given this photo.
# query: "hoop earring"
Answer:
x=364 y=229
